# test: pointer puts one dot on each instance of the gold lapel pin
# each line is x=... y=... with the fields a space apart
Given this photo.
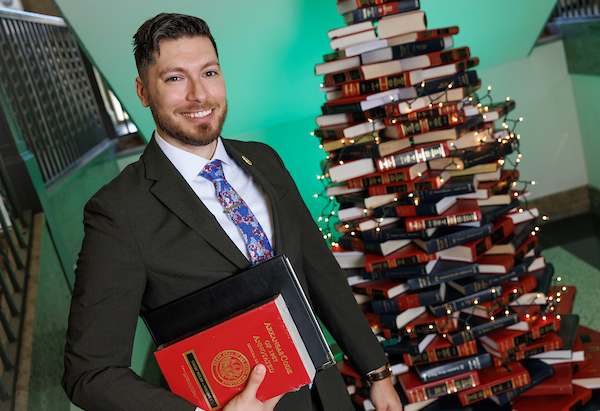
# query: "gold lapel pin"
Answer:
x=247 y=160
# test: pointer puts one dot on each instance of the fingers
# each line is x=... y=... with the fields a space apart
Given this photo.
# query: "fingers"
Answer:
x=254 y=380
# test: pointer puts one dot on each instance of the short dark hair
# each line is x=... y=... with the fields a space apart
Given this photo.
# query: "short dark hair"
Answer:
x=162 y=27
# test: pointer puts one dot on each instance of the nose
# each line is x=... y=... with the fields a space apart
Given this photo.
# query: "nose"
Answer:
x=197 y=91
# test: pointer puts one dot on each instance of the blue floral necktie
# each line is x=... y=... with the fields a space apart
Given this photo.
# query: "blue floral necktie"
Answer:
x=236 y=208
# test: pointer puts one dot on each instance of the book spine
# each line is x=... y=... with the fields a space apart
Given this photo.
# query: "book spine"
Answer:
x=446 y=31
x=494 y=280
x=448 y=189
x=373 y=292
x=342 y=77
x=493 y=212
x=526 y=353
x=438 y=326
x=446 y=110
x=483 y=329
x=404 y=302
x=381 y=10
x=424 y=125
x=342 y=108
x=440 y=354
x=398 y=262
x=461 y=365
x=468 y=301
x=487 y=154
x=486 y=391
x=376 y=85
x=386 y=234
x=391 y=188
x=410 y=271
x=501 y=230
x=458 y=80
x=435 y=279
x=448 y=56
x=424 y=222
x=402 y=51
x=509 y=345
x=440 y=388
x=457 y=238
x=412 y=157
x=388 y=178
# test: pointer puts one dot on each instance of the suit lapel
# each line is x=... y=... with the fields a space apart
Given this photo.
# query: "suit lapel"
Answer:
x=172 y=190
x=275 y=192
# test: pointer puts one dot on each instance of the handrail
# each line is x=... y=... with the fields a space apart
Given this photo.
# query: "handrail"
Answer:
x=32 y=17
x=576 y=10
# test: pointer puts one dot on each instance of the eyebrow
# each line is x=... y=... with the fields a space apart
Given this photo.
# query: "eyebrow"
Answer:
x=181 y=69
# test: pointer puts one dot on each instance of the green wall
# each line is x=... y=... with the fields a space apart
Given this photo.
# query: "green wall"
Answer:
x=586 y=90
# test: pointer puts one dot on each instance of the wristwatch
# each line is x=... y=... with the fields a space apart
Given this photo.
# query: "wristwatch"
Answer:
x=381 y=375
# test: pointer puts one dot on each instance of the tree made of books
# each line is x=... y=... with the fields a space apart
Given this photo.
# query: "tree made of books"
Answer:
x=427 y=214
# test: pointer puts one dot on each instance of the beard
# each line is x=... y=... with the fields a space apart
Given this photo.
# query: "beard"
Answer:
x=203 y=135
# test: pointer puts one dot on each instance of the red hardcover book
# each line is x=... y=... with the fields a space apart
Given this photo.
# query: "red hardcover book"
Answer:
x=564 y=299
x=407 y=255
x=548 y=342
x=559 y=383
x=401 y=174
x=565 y=402
x=386 y=288
x=211 y=367
x=503 y=227
x=496 y=380
x=424 y=125
x=417 y=391
x=440 y=349
x=428 y=181
x=502 y=263
x=469 y=252
x=589 y=375
x=463 y=211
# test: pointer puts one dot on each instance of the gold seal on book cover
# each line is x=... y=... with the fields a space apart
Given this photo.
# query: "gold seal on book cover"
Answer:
x=230 y=368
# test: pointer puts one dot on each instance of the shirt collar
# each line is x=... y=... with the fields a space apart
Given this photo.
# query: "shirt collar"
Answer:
x=190 y=165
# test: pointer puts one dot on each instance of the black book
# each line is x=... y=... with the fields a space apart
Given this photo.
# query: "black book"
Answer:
x=543 y=279
x=439 y=370
x=423 y=298
x=407 y=345
x=456 y=301
x=408 y=271
x=450 y=236
x=236 y=293
x=475 y=327
x=443 y=272
x=483 y=281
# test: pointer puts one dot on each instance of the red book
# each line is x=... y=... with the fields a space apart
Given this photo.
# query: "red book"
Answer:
x=424 y=125
x=589 y=375
x=560 y=383
x=401 y=174
x=565 y=402
x=503 y=227
x=463 y=211
x=548 y=342
x=386 y=288
x=349 y=374
x=211 y=367
x=567 y=298
x=428 y=181
x=440 y=349
x=417 y=391
x=468 y=252
x=407 y=255
x=496 y=380
x=502 y=263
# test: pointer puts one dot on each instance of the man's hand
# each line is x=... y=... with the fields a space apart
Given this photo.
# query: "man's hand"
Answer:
x=246 y=400
x=384 y=396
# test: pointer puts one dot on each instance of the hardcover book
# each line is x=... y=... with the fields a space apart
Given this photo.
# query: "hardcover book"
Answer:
x=496 y=380
x=445 y=369
x=220 y=300
x=440 y=349
x=417 y=391
x=212 y=366
x=567 y=402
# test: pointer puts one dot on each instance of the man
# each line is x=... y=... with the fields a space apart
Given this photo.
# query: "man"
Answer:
x=157 y=232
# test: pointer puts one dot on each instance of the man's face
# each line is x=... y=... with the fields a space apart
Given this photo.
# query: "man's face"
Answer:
x=185 y=91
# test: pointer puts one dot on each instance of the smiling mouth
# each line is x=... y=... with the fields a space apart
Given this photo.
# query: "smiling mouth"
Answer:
x=199 y=114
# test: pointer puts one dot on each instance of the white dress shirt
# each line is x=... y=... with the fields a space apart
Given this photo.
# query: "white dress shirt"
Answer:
x=190 y=165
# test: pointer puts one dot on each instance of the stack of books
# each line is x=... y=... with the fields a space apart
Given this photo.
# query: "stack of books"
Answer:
x=436 y=241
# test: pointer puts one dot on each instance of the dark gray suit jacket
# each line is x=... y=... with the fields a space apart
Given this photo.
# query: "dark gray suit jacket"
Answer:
x=149 y=240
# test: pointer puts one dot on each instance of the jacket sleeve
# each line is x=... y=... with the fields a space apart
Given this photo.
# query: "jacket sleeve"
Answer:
x=109 y=285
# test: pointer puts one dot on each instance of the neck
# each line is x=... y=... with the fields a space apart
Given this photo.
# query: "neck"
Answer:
x=206 y=151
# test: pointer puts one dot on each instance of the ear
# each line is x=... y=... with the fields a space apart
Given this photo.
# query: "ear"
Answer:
x=141 y=91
